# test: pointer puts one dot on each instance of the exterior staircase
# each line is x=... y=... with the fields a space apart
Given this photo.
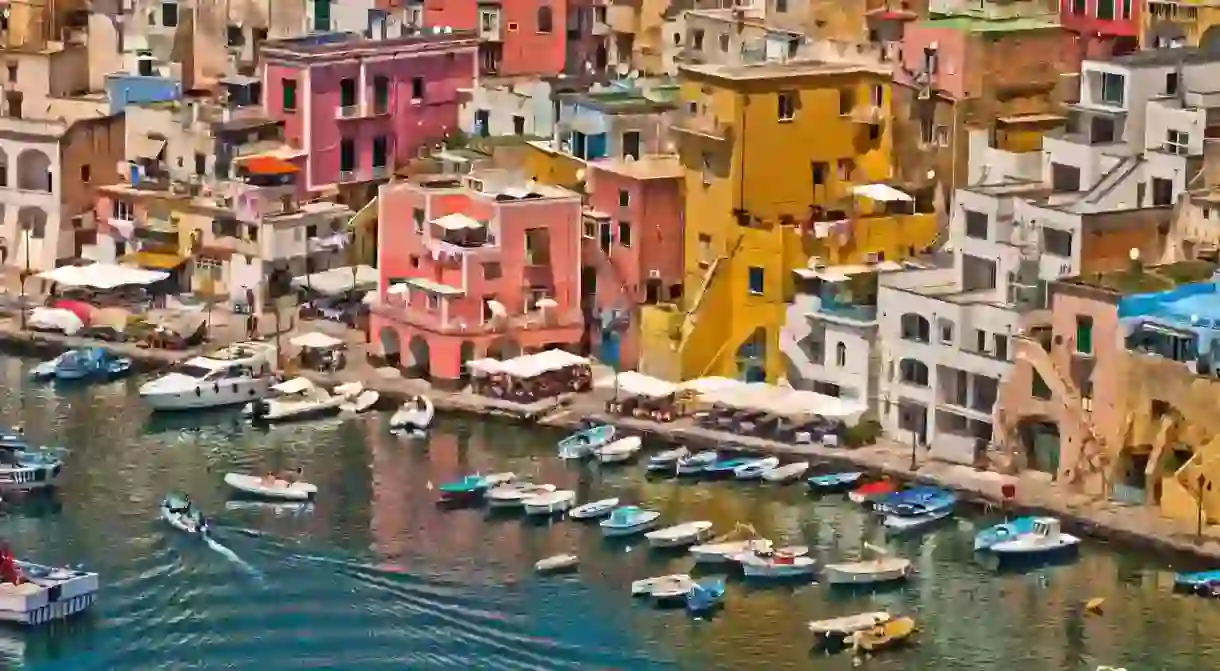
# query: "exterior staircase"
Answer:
x=690 y=319
x=1113 y=177
x=796 y=328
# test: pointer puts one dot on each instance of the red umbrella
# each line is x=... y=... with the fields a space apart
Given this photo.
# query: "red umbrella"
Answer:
x=79 y=308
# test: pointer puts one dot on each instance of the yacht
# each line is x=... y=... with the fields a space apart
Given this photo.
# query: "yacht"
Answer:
x=234 y=375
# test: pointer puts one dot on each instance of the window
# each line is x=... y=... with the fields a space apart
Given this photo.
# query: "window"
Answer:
x=976 y=225
x=589 y=229
x=941 y=136
x=874 y=131
x=757 y=280
x=624 y=198
x=234 y=36
x=1112 y=86
x=707 y=169
x=201 y=164
x=1126 y=15
x=169 y=14
x=418 y=215
x=545 y=19
x=417 y=88
x=518 y=124
x=781 y=6
x=696 y=38
x=85 y=173
x=434 y=302
x=1039 y=388
x=624 y=233
x=381 y=94
x=1001 y=346
x=840 y=355
x=631 y=144
x=847 y=100
x=381 y=146
x=705 y=249
x=1079 y=7
x=1162 y=191
x=12 y=73
x=1105 y=10
x=492 y=271
x=487 y=21
x=914 y=326
x=414 y=261
x=786 y=103
x=347 y=155
x=1056 y=242
x=846 y=167
x=1172 y=79
x=913 y=372
x=877 y=95
x=946 y=331
x=1064 y=178
x=289 y=94
x=819 y=173
x=121 y=209
x=724 y=42
x=1177 y=142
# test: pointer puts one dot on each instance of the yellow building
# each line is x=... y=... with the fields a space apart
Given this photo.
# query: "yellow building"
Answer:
x=1179 y=23
x=772 y=153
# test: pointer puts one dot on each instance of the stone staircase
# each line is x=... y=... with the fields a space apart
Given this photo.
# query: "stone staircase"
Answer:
x=796 y=328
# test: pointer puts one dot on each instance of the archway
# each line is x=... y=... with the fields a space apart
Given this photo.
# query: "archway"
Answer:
x=466 y=353
x=391 y=346
x=33 y=171
x=1040 y=444
x=752 y=357
x=1210 y=40
x=419 y=356
x=503 y=348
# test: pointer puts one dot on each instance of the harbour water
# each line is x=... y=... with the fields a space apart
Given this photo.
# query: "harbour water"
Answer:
x=375 y=576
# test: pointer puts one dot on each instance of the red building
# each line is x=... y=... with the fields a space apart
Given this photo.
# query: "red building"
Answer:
x=1103 y=28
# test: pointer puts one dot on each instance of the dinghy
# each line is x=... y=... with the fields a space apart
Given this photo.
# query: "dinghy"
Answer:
x=781 y=564
x=415 y=416
x=271 y=487
x=679 y=534
x=755 y=469
x=667 y=460
x=838 y=629
x=786 y=473
x=1004 y=531
x=620 y=451
x=887 y=635
x=872 y=492
x=705 y=596
x=298 y=399
x=646 y=586
x=182 y=515
x=46 y=370
x=549 y=503
x=916 y=509
x=583 y=443
x=629 y=520
x=834 y=482
x=513 y=494
x=473 y=486
x=902 y=524
x=695 y=464
x=556 y=563
x=593 y=509
x=743 y=538
x=671 y=591
x=91 y=363
x=724 y=468
x=361 y=402
x=868 y=572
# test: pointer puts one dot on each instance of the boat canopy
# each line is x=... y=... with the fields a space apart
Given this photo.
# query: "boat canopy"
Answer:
x=337 y=281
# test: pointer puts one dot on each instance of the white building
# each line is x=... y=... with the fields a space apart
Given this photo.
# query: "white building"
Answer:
x=508 y=106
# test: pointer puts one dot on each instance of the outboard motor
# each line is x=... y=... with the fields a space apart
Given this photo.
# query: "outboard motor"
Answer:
x=259 y=409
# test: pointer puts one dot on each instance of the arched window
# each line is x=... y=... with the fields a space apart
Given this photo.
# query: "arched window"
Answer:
x=3 y=168
x=913 y=372
x=33 y=171
x=545 y=19
x=915 y=327
x=840 y=355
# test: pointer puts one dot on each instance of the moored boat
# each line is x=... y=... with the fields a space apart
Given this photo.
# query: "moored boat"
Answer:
x=781 y=564
x=513 y=494
x=557 y=563
x=415 y=416
x=695 y=464
x=839 y=629
x=645 y=586
x=33 y=594
x=667 y=460
x=1044 y=542
x=869 y=493
x=297 y=399
x=756 y=468
x=787 y=472
x=473 y=487
x=46 y=370
x=582 y=443
x=671 y=590
x=271 y=487
x=91 y=363
x=1004 y=531
x=886 y=635
x=912 y=501
x=619 y=451
x=868 y=572
x=549 y=503
x=1199 y=582
x=629 y=520
x=679 y=535
x=234 y=375
x=724 y=468
x=593 y=509
x=904 y=524
x=834 y=482
x=726 y=548
x=183 y=515
x=705 y=595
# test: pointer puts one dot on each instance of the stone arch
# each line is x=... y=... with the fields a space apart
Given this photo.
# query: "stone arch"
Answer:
x=503 y=347
x=419 y=356
x=546 y=19
x=1039 y=443
x=33 y=219
x=34 y=171
x=391 y=345
x=916 y=327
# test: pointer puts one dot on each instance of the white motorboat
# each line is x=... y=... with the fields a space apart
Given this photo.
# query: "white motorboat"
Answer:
x=787 y=473
x=671 y=589
x=667 y=461
x=743 y=538
x=621 y=450
x=234 y=375
x=415 y=415
x=296 y=399
x=646 y=586
x=183 y=516
x=755 y=469
x=271 y=487
x=593 y=509
x=783 y=563
x=629 y=520
x=679 y=535
x=556 y=563
x=33 y=594
x=1044 y=541
x=514 y=494
x=868 y=572
x=843 y=627
x=549 y=503
x=697 y=463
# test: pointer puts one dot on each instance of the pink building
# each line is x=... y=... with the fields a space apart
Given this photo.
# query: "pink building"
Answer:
x=475 y=266
x=632 y=246
x=361 y=107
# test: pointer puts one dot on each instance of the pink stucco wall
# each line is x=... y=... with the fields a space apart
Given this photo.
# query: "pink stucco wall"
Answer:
x=404 y=253
x=525 y=50
x=951 y=54
x=445 y=63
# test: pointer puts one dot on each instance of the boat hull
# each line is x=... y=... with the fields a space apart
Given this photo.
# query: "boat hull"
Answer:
x=834 y=485
x=778 y=571
x=254 y=486
x=835 y=576
x=1022 y=559
x=631 y=530
x=592 y=512
x=897 y=525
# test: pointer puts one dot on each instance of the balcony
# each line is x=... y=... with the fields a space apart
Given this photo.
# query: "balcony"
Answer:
x=394 y=307
x=702 y=125
x=864 y=314
x=347 y=112
x=866 y=114
x=347 y=176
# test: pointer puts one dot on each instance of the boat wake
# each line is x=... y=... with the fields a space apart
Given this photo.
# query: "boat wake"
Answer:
x=232 y=556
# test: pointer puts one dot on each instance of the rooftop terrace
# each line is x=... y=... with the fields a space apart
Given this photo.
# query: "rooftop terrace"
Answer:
x=1142 y=280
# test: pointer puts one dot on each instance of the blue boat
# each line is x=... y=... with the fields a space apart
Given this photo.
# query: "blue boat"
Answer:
x=724 y=468
x=834 y=482
x=93 y=363
x=582 y=444
x=911 y=501
x=1044 y=542
x=1005 y=531
x=1200 y=582
x=918 y=513
x=629 y=520
x=471 y=487
x=46 y=370
x=705 y=596
x=697 y=463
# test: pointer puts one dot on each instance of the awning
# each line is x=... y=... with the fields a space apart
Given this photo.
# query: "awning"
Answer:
x=101 y=276
x=146 y=147
x=631 y=383
x=267 y=165
x=155 y=260
x=315 y=340
x=457 y=222
x=881 y=192
x=338 y=280
x=215 y=253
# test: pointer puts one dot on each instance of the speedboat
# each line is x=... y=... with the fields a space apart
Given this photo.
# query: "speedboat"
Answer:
x=705 y=596
x=1004 y=531
x=786 y=473
x=549 y=503
x=234 y=375
x=513 y=494
x=833 y=482
x=271 y=487
x=838 y=629
x=679 y=534
x=297 y=399
x=593 y=509
x=629 y=520
x=665 y=461
x=1044 y=542
x=620 y=451
x=696 y=464
x=91 y=363
x=779 y=564
x=869 y=493
x=46 y=369
x=756 y=468
x=33 y=594
x=473 y=486
x=415 y=416
x=724 y=468
x=183 y=515
x=582 y=444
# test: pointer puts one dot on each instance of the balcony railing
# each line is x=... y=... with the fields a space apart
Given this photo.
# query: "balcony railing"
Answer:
x=859 y=313
x=347 y=175
x=347 y=111
x=394 y=307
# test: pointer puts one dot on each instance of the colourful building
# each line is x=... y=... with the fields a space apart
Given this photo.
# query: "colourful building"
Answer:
x=631 y=248
x=360 y=107
x=1103 y=28
x=1169 y=23
x=772 y=154
x=481 y=265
